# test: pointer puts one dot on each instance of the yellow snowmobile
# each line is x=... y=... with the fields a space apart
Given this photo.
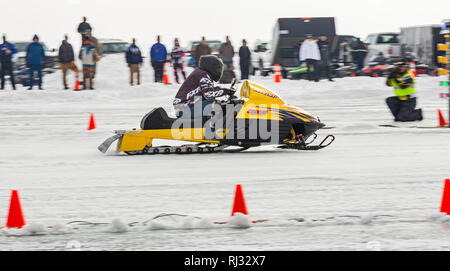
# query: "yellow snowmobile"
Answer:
x=258 y=117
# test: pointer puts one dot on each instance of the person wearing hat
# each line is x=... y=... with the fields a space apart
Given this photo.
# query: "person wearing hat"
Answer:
x=202 y=49
x=133 y=57
x=158 y=56
x=66 y=59
x=403 y=104
x=359 y=53
x=176 y=57
x=244 y=60
x=226 y=53
x=83 y=28
x=7 y=51
x=310 y=54
x=324 y=64
x=35 y=58
x=199 y=86
x=88 y=56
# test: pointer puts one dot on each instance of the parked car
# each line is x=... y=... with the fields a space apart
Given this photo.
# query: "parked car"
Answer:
x=113 y=46
x=50 y=54
x=387 y=43
x=261 y=57
x=21 y=71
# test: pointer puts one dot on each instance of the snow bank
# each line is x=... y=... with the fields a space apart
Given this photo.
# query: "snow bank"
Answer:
x=118 y=226
x=240 y=221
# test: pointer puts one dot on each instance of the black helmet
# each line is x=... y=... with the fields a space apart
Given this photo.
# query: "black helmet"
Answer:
x=401 y=63
x=212 y=65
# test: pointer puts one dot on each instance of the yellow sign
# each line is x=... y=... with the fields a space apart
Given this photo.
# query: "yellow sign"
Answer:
x=442 y=71
x=442 y=59
x=442 y=47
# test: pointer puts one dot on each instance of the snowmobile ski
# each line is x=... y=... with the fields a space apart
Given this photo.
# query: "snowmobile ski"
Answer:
x=306 y=146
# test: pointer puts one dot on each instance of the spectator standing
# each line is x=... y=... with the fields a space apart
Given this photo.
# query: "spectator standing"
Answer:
x=201 y=50
x=66 y=59
x=324 y=65
x=133 y=56
x=88 y=56
x=83 y=27
x=310 y=53
x=226 y=53
x=244 y=60
x=35 y=58
x=296 y=53
x=176 y=57
x=158 y=56
x=7 y=51
x=345 y=53
x=359 y=53
x=97 y=45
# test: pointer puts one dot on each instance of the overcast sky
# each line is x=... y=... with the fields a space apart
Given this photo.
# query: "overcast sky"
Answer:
x=189 y=20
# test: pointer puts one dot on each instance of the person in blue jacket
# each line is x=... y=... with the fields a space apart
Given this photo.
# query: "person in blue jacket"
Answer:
x=7 y=51
x=35 y=59
x=158 y=56
x=134 y=60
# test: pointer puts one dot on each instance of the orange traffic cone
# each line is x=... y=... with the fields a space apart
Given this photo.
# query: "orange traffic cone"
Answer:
x=442 y=121
x=15 y=215
x=166 y=79
x=92 y=123
x=77 y=82
x=239 y=205
x=277 y=73
x=445 y=206
x=412 y=68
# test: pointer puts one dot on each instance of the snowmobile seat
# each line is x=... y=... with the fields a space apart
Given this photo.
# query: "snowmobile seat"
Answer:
x=157 y=119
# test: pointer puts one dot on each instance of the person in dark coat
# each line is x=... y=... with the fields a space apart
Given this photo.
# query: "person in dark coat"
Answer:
x=133 y=56
x=359 y=52
x=35 y=59
x=83 y=28
x=66 y=59
x=158 y=56
x=7 y=51
x=244 y=60
x=226 y=53
x=324 y=64
x=201 y=50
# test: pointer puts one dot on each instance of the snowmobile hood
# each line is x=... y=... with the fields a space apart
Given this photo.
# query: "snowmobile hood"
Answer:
x=259 y=101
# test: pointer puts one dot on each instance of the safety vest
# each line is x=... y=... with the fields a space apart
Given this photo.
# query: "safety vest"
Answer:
x=403 y=92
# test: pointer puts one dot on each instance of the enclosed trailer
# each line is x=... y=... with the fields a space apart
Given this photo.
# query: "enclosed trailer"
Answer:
x=289 y=32
x=420 y=43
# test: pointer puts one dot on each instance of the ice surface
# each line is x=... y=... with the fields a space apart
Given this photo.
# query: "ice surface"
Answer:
x=374 y=188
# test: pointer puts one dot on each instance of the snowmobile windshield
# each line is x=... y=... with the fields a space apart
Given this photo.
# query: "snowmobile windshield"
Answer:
x=259 y=95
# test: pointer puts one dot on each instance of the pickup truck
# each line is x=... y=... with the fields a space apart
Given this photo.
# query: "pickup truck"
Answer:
x=261 y=57
x=387 y=43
